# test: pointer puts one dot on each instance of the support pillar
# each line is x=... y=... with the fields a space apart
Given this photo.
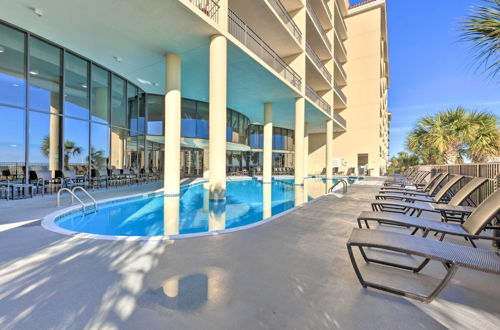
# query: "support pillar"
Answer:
x=306 y=151
x=329 y=149
x=172 y=132
x=268 y=143
x=217 y=117
x=299 y=140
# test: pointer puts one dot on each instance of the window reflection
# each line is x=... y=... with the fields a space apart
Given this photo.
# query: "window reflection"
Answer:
x=188 y=118
x=44 y=141
x=99 y=150
x=131 y=152
x=76 y=145
x=119 y=138
x=76 y=92
x=155 y=114
x=118 y=103
x=12 y=83
x=45 y=76
x=12 y=141
x=133 y=106
x=100 y=97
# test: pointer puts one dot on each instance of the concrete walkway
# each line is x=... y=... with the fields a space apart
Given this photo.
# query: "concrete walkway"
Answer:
x=291 y=273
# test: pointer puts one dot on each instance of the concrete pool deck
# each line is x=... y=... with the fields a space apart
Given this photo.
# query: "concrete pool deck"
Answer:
x=291 y=273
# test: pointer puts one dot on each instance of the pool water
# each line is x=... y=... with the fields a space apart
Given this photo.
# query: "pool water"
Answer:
x=247 y=202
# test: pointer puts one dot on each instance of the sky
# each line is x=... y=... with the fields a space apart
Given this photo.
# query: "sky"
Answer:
x=430 y=68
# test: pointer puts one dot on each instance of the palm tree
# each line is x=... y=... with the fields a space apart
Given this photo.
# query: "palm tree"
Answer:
x=70 y=149
x=482 y=29
x=484 y=144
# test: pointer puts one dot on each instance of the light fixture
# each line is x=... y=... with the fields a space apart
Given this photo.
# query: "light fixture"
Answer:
x=155 y=84
x=84 y=85
x=118 y=59
x=2 y=50
x=143 y=81
x=34 y=72
x=37 y=11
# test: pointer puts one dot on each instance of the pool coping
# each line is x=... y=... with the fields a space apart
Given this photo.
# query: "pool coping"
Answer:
x=48 y=222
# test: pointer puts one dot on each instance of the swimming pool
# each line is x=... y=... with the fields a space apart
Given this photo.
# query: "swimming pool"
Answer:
x=192 y=214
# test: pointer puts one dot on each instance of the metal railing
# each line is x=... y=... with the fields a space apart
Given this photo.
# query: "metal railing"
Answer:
x=316 y=60
x=341 y=43
x=339 y=92
x=318 y=25
x=339 y=64
x=287 y=19
x=339 y=118
x=86 y=193
x=208 y=7
x=316 y=98
x=241 y=31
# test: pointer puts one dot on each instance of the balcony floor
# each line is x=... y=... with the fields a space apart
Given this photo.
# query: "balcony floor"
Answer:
x=291 y=273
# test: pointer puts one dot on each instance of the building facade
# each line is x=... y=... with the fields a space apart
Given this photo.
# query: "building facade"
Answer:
x=190 y=87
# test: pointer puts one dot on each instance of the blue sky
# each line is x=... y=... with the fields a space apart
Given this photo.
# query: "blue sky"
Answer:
x=430 y=68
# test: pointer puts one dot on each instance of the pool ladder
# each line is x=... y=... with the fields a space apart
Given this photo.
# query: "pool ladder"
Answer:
x=74 y=196
x=344 y=186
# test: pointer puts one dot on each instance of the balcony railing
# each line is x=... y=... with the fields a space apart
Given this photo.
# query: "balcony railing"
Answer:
x=241 y=31
x=341 y=43
x=339 y=118
x=339 y=64
x=316 y=98
x=339 y=92
x=287 y=19
x=318 y=25
x=315 y=58
x=341 y=19
x=208 y=7
x=327 y=8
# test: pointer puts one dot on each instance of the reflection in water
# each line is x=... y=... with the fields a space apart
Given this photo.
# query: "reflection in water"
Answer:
x=299 y=195
x=171 y=206
x=217 y=215
x=266 y=201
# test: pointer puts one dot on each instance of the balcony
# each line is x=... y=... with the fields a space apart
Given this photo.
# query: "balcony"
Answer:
x=340 y=98
x=242 y=32
x=340 y=74
x=319 y=65
x=339 y=119
x=339 y=44
x=341 y=28
x=318 y=100
x=318 y=25
x=208 y=7
x=286 y=19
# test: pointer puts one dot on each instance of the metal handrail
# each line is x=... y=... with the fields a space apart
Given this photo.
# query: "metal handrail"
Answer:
x=339 y=92
x=311 y=93
x=208 y=7
x=344 y=186
x=241 y=31
x=317 y=61
x=287 y=19
x=72 y=195
x=339 y=64
x=86 y=193
x=339 y=118
x=318 y=24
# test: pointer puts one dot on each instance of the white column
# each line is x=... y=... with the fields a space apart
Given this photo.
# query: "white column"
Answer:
x=268 y=143
x=172 y=134
x=266 y=201
x=299 y=140
x=217 y=117
x=306 y=151
x=329 y=149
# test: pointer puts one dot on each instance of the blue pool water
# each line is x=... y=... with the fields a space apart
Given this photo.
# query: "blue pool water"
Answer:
x=247 y=201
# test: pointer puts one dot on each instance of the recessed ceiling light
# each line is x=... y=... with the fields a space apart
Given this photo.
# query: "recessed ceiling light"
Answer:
x=143 y=81
x=2 y=50
x=84 y=85
x=37 y=11
x=34 y=72
x=118 y=58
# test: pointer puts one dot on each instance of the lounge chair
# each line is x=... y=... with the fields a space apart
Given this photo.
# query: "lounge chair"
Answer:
x=416 y=208
x=470 y=227
x=99 y=177
x=452 y=256
x=443 y=192
x=428 y=189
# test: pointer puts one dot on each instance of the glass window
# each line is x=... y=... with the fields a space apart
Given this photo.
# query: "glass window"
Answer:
x=202 y=122
x=44 y=141
x=235 y=127
x=76 y=92
x=12 y=70
x=118 y=102
x=141 y=121
x=45 y=76
x=133 y=106
x=76 y=145
x=290 y=140
x=100 y=95
x=99 y=151
x=229 y=128
x=131 y=152
x=155 y=115
x=12 y=141
x=188 y=118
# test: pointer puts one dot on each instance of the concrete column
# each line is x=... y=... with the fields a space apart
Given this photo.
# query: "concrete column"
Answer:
x=266 y=201
x=268 y=143
x=306 y=150
x=172 y=111
x=329 y=149
x=299 y=140
x=217 y=117
x=54 y=137
x=171 y=215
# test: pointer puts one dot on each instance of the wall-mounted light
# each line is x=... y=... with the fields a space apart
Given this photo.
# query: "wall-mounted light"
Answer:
x=118 y=59
x=84 y=85
x=34 y=72
x=37 y=11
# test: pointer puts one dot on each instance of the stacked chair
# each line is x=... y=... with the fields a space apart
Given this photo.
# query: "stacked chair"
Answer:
x=399 y=206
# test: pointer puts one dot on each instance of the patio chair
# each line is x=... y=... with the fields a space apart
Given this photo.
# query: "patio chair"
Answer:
x=129 y=176
x=416 y=208
x=72 y=179
x=441 y=193
x=98 y=178
x=451 y=256
x=428 y=189
x=5 y=189
x=45 y=182
x=469 y=228
x=116 y=177
x=415 y=180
